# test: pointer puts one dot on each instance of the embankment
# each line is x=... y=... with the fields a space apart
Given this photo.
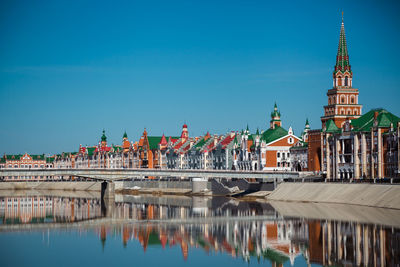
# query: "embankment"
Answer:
x=373 y=195
x=76 y=186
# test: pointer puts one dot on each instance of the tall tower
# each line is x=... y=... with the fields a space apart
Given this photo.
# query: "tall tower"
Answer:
x=275 y=118
x=185 y=133
x=342 y=98
x=104 y=139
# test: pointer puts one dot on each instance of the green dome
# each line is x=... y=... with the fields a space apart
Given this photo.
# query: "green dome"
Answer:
x=104 y=137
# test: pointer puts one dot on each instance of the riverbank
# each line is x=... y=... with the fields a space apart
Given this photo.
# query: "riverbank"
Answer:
x=60 y=185
x=372 y=195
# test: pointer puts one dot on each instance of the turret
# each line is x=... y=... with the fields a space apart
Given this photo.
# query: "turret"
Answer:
x=185 y=133
x=275 y=118
x=342 y=74
x=304 y=135
x=104 y=139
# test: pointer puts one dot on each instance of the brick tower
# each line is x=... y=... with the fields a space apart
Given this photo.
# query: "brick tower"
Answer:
x=342 y=98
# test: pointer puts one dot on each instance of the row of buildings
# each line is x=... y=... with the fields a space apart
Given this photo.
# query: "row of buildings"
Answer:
x=348 y=145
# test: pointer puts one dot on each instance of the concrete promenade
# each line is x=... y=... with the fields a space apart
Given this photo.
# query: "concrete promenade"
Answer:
x=337 y=212
x=373 y=195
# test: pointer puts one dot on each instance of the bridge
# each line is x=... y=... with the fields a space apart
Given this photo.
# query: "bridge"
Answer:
x=123 y=174
x=198 y=177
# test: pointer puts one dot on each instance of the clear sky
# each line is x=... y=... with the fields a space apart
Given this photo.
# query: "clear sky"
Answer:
x=68 y=69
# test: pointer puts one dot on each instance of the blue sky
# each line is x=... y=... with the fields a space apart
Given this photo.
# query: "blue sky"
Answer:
x=68 y=69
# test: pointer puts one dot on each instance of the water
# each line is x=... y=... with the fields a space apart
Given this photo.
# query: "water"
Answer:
x=70 y=229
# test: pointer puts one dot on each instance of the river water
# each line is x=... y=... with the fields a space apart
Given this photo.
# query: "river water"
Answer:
x=78 y=229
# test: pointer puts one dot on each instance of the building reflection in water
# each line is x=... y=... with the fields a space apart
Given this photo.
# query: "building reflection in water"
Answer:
x=217 y=225
x=47 y=209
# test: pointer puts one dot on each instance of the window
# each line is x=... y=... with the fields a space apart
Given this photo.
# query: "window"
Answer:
x=343 y=99
x=352 y=99
x=279 y=155
x=279 y=164
x=346 y=81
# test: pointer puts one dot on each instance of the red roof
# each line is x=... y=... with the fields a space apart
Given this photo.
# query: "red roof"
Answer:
x=103 y=149
x=227 y=140
x=178 y=145
x=186 y=148
x=163 y=140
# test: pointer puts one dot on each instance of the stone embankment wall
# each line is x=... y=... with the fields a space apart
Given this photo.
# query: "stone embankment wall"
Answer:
x=374 y=195
x=78 y=186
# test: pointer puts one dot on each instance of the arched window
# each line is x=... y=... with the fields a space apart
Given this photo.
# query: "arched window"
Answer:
x=346 y=81
x=342 y=100
x=352 y=99
x=342 y=112
x=329 y=100
x=339 y=81
x=349 y=112
x=355 y=112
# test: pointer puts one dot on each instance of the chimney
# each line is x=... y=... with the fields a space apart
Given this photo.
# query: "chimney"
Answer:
x=376 y=113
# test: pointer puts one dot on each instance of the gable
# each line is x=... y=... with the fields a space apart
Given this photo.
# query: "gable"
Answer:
x=285 y=141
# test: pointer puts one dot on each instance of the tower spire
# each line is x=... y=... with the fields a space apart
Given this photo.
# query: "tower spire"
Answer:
x=342 y=57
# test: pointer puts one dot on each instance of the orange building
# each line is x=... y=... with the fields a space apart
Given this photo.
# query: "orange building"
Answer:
x=26 y=161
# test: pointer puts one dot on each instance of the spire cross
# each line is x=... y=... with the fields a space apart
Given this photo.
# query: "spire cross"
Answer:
x=342 y=16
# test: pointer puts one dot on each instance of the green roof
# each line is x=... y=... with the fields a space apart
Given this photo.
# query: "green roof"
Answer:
x=273 y=134
x=200 y=143
x=117 y=148
x=331 y=127
x=104 y=137
x=302 y=146
x=275 y=113
x=13 y=157
x=50 y=160
x=366 y=121
x=18 y=157
x=37 y=157
x=155 y=140
x=90 y=150
x=125 y=135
